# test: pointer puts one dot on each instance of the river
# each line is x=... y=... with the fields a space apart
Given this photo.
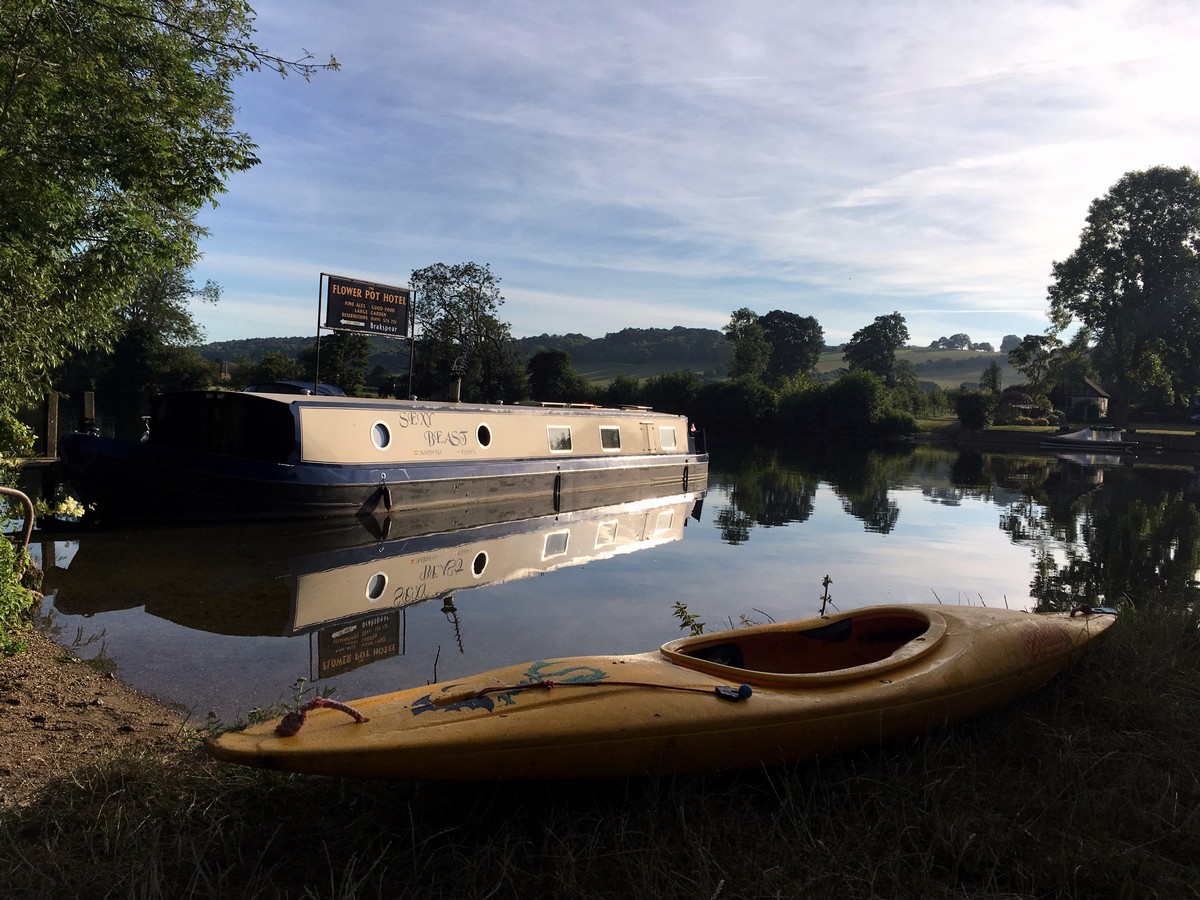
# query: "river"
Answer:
x=222 y=620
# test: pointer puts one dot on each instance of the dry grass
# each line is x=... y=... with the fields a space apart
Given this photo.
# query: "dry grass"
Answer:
x=1089 y=789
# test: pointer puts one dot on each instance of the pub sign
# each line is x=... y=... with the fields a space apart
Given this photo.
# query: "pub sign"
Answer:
x=367 y=307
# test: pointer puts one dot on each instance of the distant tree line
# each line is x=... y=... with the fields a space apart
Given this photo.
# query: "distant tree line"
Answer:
x=961 y=342
x=691 y=347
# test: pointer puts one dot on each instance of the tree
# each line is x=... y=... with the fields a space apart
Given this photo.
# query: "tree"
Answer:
x=343 y=358
x=991 y=378
x=1034 y=357
x=459 y=332
x=154 y=351
x=274 y=366
x=975 y=409
x=677 y=392
x=958 y=341
x=795 y=341
x=1045 y=360
x=624 y=390
x=552 y=376
x=116 y=126
x=1133 y=284
x=751 y=352
x=873 y=347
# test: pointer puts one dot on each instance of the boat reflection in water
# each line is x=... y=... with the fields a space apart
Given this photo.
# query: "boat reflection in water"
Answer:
x=345 y=586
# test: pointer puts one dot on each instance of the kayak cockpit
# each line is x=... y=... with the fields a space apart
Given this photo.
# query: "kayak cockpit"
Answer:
x=834 y=648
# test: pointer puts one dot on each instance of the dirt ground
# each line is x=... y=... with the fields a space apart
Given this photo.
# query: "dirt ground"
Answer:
x=58 y=713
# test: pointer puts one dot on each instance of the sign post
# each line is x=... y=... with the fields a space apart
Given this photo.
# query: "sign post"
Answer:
x=367 y=308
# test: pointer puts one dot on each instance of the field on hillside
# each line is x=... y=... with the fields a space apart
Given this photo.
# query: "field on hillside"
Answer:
x=603 y=373
x=945 y=368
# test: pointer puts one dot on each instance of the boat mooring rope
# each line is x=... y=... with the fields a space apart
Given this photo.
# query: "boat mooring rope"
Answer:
x=291 y=724
x=294 y=721
x=724 y=691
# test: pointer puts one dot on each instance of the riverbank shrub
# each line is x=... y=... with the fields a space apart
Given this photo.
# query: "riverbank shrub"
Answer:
x=676 y=392
x=856 y=405
x=16 y=601
x=975 y=409
x=16 y=442
x=740 y=404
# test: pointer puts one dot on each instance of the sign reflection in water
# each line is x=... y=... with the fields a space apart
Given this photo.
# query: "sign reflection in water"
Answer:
x=226 y=619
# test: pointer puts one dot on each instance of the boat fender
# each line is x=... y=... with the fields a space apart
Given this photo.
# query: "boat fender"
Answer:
x=291 y=724
x=733 y=694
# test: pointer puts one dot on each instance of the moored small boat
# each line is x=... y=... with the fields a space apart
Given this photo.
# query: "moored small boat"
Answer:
x=755 y=696
x=1095 y=440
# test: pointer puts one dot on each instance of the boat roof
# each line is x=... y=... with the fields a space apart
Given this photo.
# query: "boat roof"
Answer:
x=527 y=409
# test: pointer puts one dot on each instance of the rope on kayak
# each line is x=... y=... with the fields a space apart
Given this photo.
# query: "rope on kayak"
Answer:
x=724 y=691
x=294 y=721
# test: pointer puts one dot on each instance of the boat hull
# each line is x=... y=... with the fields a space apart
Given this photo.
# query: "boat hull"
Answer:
x=658 y=713
x=1090 y=446
x=128 y=481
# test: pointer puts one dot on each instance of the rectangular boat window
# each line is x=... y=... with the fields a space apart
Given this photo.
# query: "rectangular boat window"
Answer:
x=666 y=519
x=559 y=437
x=556 y=544
x=666 y=437
x=606 y=533
x=610 y=437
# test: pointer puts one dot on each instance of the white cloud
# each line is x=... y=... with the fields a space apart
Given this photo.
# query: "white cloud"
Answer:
x=844 y=160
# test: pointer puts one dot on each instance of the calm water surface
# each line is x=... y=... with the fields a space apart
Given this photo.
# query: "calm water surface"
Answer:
x=225 y=619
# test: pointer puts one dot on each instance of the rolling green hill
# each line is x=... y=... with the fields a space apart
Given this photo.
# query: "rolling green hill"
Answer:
x=644 y=352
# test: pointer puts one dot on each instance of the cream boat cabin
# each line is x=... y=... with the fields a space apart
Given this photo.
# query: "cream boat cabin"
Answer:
x=331 y=431
x=224 y=455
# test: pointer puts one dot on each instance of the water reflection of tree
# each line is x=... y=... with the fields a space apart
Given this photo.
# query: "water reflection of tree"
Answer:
x=765 y=489
x=862 y=481
x=1134 y=533
x=1098 y=534
x=769 y=487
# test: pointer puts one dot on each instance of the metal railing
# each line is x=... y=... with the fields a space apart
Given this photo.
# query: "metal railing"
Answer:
x=27 y=531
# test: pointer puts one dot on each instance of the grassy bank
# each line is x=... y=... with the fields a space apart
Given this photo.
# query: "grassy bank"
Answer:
x=1087 y=789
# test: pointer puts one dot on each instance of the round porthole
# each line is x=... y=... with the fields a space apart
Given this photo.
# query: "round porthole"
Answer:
x=480 y=563
x=381 y=435
x=483 y=434
x=376 y=585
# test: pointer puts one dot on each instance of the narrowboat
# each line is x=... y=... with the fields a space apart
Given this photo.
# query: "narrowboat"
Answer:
x=230 y=455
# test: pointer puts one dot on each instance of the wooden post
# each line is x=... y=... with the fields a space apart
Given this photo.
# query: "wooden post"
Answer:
x=89 y=411
x=51 y=435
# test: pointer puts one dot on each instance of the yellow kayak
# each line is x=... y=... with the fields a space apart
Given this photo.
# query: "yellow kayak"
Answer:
x=753 y=696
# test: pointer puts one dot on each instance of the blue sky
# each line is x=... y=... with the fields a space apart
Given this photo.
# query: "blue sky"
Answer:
x=651 y=164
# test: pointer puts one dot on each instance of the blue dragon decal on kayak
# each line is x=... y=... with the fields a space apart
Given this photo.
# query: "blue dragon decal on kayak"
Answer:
x=426 y=704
